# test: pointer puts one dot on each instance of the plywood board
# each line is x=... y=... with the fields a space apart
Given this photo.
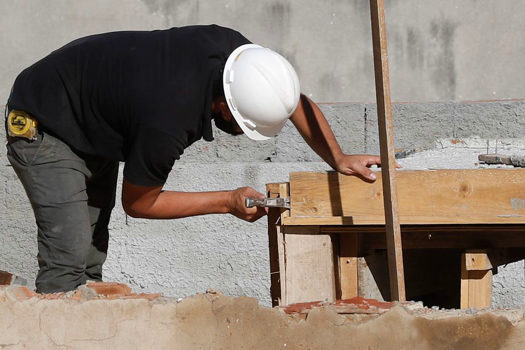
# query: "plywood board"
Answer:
x=424 y=197
x=309 y=268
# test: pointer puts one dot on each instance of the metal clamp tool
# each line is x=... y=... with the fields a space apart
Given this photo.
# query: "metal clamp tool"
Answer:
x=268 y=202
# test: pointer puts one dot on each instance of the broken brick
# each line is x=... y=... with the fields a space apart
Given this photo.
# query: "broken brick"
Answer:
x=110 y=289
x=21 y=293
x=5 y=278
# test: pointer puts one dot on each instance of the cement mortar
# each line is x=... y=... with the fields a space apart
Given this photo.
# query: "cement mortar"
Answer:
x=182 y=257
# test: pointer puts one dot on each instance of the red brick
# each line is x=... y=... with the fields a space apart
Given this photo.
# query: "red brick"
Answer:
x=111 y=290
x=147 y=296
x=353 y=305
x=22 y=293
x=5 y=278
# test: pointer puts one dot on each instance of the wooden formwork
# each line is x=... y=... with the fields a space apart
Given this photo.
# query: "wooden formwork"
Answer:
x=335 y=219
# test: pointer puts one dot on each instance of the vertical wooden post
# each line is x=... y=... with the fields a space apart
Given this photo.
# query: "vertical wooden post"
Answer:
x=347 y=264
x=386 y=141
x=276 y=244
x=476 y=280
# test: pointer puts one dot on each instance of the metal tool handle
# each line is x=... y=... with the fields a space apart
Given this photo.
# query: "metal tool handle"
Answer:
x=253 y=202
x=268 y=202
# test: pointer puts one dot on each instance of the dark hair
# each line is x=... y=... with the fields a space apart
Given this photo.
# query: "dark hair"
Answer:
x=218 y=89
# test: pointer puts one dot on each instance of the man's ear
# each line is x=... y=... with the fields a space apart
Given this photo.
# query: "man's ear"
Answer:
x=225 y=110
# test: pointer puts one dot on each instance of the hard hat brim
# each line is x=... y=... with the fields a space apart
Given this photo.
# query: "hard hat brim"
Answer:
x=251 y=133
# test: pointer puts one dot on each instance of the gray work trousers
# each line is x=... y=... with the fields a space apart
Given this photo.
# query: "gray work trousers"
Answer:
x=72 y=198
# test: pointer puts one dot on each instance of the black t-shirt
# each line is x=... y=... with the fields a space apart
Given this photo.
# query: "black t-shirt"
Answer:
x=138 y=97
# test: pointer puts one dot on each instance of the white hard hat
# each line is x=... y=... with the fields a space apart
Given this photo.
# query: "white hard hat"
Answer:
x=261 y=89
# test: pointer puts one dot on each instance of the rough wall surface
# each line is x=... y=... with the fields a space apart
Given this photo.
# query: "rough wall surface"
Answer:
x=439 y=50
x=213 y=321
x=182 y=257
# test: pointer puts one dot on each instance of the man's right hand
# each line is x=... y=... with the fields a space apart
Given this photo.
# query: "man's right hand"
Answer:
x=237 y=204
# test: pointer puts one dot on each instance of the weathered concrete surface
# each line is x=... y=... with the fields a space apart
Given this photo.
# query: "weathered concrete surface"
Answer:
x=182 y=257
x=439 y=50
x=214 y=321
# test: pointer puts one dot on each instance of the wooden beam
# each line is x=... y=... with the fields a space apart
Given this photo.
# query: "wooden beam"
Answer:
x=272 y=191
x=347 y=266
x=276 y=244
x=476 y=285
x=473 y=196
x=386 y=144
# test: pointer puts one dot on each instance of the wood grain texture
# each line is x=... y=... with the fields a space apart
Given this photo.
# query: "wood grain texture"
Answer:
x=386 y=145
x=347 y=260
x=476 y=196
x=272 y=191
x=477 y=261
x=476 y=286
x=309 y=268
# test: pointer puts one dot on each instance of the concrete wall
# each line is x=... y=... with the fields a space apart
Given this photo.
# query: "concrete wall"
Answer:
x=182 y=257
x=439 y=50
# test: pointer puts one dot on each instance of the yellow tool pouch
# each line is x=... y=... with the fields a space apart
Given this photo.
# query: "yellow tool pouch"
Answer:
x=21 y=124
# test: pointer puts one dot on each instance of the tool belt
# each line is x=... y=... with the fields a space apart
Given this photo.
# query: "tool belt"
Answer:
x=21 y=124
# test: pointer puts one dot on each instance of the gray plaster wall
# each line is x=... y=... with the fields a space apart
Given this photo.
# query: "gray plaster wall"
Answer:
x=438 y=50
x=185 y=256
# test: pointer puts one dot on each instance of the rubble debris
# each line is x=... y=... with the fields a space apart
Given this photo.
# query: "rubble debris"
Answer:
x=7 y=278
x=357 y=305
x=108 y=315
x=514 y=160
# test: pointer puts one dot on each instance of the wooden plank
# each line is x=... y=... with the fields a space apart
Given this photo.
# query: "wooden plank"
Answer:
x=442 y=237
x=480 y=289
x=476 y=286
x=386 y=146
x=473 y=196
x=348 y=255
x=447 y=240
x=284 y=192
x=272 y=191
x=281 y=251
x=464 y=295
x=406 y=220
x=309 y=268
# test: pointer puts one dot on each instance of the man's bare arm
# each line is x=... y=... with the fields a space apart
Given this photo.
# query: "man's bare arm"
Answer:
x=153 y=203
x=313 y=127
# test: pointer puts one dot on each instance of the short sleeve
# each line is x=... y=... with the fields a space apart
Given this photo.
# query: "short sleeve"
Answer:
x=237 y=39
x=151 y=157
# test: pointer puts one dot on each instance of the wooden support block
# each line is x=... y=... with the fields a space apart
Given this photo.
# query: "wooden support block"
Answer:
x=309 y=268
x=477 y=261
x=347 y=261
x=476 y=285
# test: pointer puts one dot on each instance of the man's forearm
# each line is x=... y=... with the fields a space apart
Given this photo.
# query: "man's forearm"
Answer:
x=174 y=205
x=313 y=127
x=153 y=203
